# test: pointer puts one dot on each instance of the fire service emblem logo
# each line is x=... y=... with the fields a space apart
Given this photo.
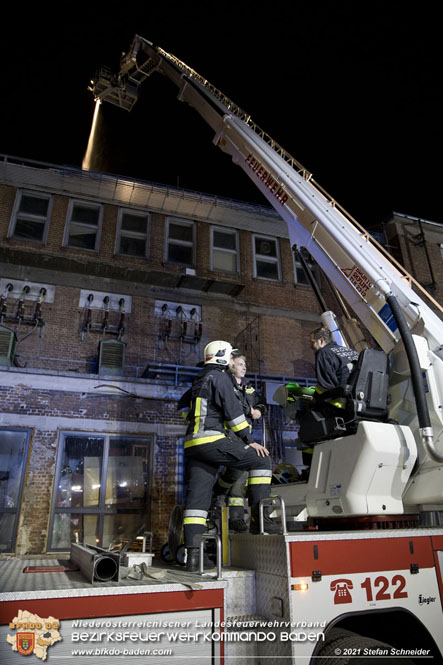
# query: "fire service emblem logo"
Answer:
x=25 y=643
x=35 y=635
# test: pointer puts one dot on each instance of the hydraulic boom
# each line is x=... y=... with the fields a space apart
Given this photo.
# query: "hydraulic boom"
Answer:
x=380 y=291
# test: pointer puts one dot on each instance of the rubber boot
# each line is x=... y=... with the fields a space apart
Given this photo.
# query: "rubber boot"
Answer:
x=193 y=560
x=236 y=519
x=237 y=525
x=269 y=525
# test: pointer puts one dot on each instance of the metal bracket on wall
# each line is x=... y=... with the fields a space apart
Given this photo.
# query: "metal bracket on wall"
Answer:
x=97 y=300
x=34 y=293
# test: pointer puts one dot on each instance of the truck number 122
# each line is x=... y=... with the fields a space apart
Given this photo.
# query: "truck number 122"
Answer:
x=398 y=581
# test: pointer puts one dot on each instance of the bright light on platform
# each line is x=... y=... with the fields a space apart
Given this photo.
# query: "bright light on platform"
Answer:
x=87 y=159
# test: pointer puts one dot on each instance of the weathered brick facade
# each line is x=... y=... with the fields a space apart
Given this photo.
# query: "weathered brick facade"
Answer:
x=417 y=245
x=53 y=383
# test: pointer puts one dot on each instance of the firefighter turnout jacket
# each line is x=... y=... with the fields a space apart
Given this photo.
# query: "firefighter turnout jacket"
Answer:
x=249 y=398
x=231 y=483
x=333 y=364
x=214 y=407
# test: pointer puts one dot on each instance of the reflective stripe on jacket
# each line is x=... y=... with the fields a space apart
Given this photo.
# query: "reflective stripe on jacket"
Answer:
x=249 y=398
x=214 y=403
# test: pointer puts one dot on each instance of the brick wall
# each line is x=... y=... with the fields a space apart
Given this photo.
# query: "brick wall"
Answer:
x=416 y=245
x=24 y=402
x=283 y=314
x=59 y=344
x=258 y=291
x=37 y=493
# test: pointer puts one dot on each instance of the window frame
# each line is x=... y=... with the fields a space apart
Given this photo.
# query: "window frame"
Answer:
x=85 y=204
x=236 y=252
x=266 y=259
x=179 y=221
x=100 y=510
x=16 y=210
x=132 y=234
x=311 y=264
x=17 y=509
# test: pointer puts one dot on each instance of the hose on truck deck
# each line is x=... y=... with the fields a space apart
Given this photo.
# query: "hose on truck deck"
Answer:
x=424 y=419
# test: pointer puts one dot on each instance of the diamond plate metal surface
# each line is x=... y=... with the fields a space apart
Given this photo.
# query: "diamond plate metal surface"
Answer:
x=16 y=585
x=265 y=554
x=240 y=595
x=268 y=555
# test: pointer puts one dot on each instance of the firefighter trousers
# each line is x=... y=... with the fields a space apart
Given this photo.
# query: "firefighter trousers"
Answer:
x=202 y=464
x=232 y=484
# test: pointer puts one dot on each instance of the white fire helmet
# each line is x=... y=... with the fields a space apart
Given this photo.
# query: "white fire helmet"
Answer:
x=218 y=353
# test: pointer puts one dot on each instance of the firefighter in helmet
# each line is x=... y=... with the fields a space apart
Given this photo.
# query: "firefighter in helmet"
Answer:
x=214 y=404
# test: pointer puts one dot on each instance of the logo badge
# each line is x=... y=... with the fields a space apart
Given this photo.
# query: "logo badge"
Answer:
x=25 y=643
x=341 y=588
x=34 y=634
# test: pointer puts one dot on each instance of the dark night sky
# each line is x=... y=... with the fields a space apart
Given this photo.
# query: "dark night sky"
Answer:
x=353 y=90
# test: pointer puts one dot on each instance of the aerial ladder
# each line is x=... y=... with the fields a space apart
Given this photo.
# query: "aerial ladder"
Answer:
x=385 y=468
x=383 y=296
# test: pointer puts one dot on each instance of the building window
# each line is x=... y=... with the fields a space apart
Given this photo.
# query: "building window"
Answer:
x=30 y=217
x=102 y=489
x=14 y=446
x=132 y=233
x=84 y=225
x=266 y=258
x=180 y=242
x=300 y=275
x=224 y=249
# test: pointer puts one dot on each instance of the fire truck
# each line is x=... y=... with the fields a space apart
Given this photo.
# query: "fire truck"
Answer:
x=357 y=572
x=361 y=548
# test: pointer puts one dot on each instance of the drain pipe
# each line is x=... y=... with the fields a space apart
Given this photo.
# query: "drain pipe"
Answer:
x=424 y=419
